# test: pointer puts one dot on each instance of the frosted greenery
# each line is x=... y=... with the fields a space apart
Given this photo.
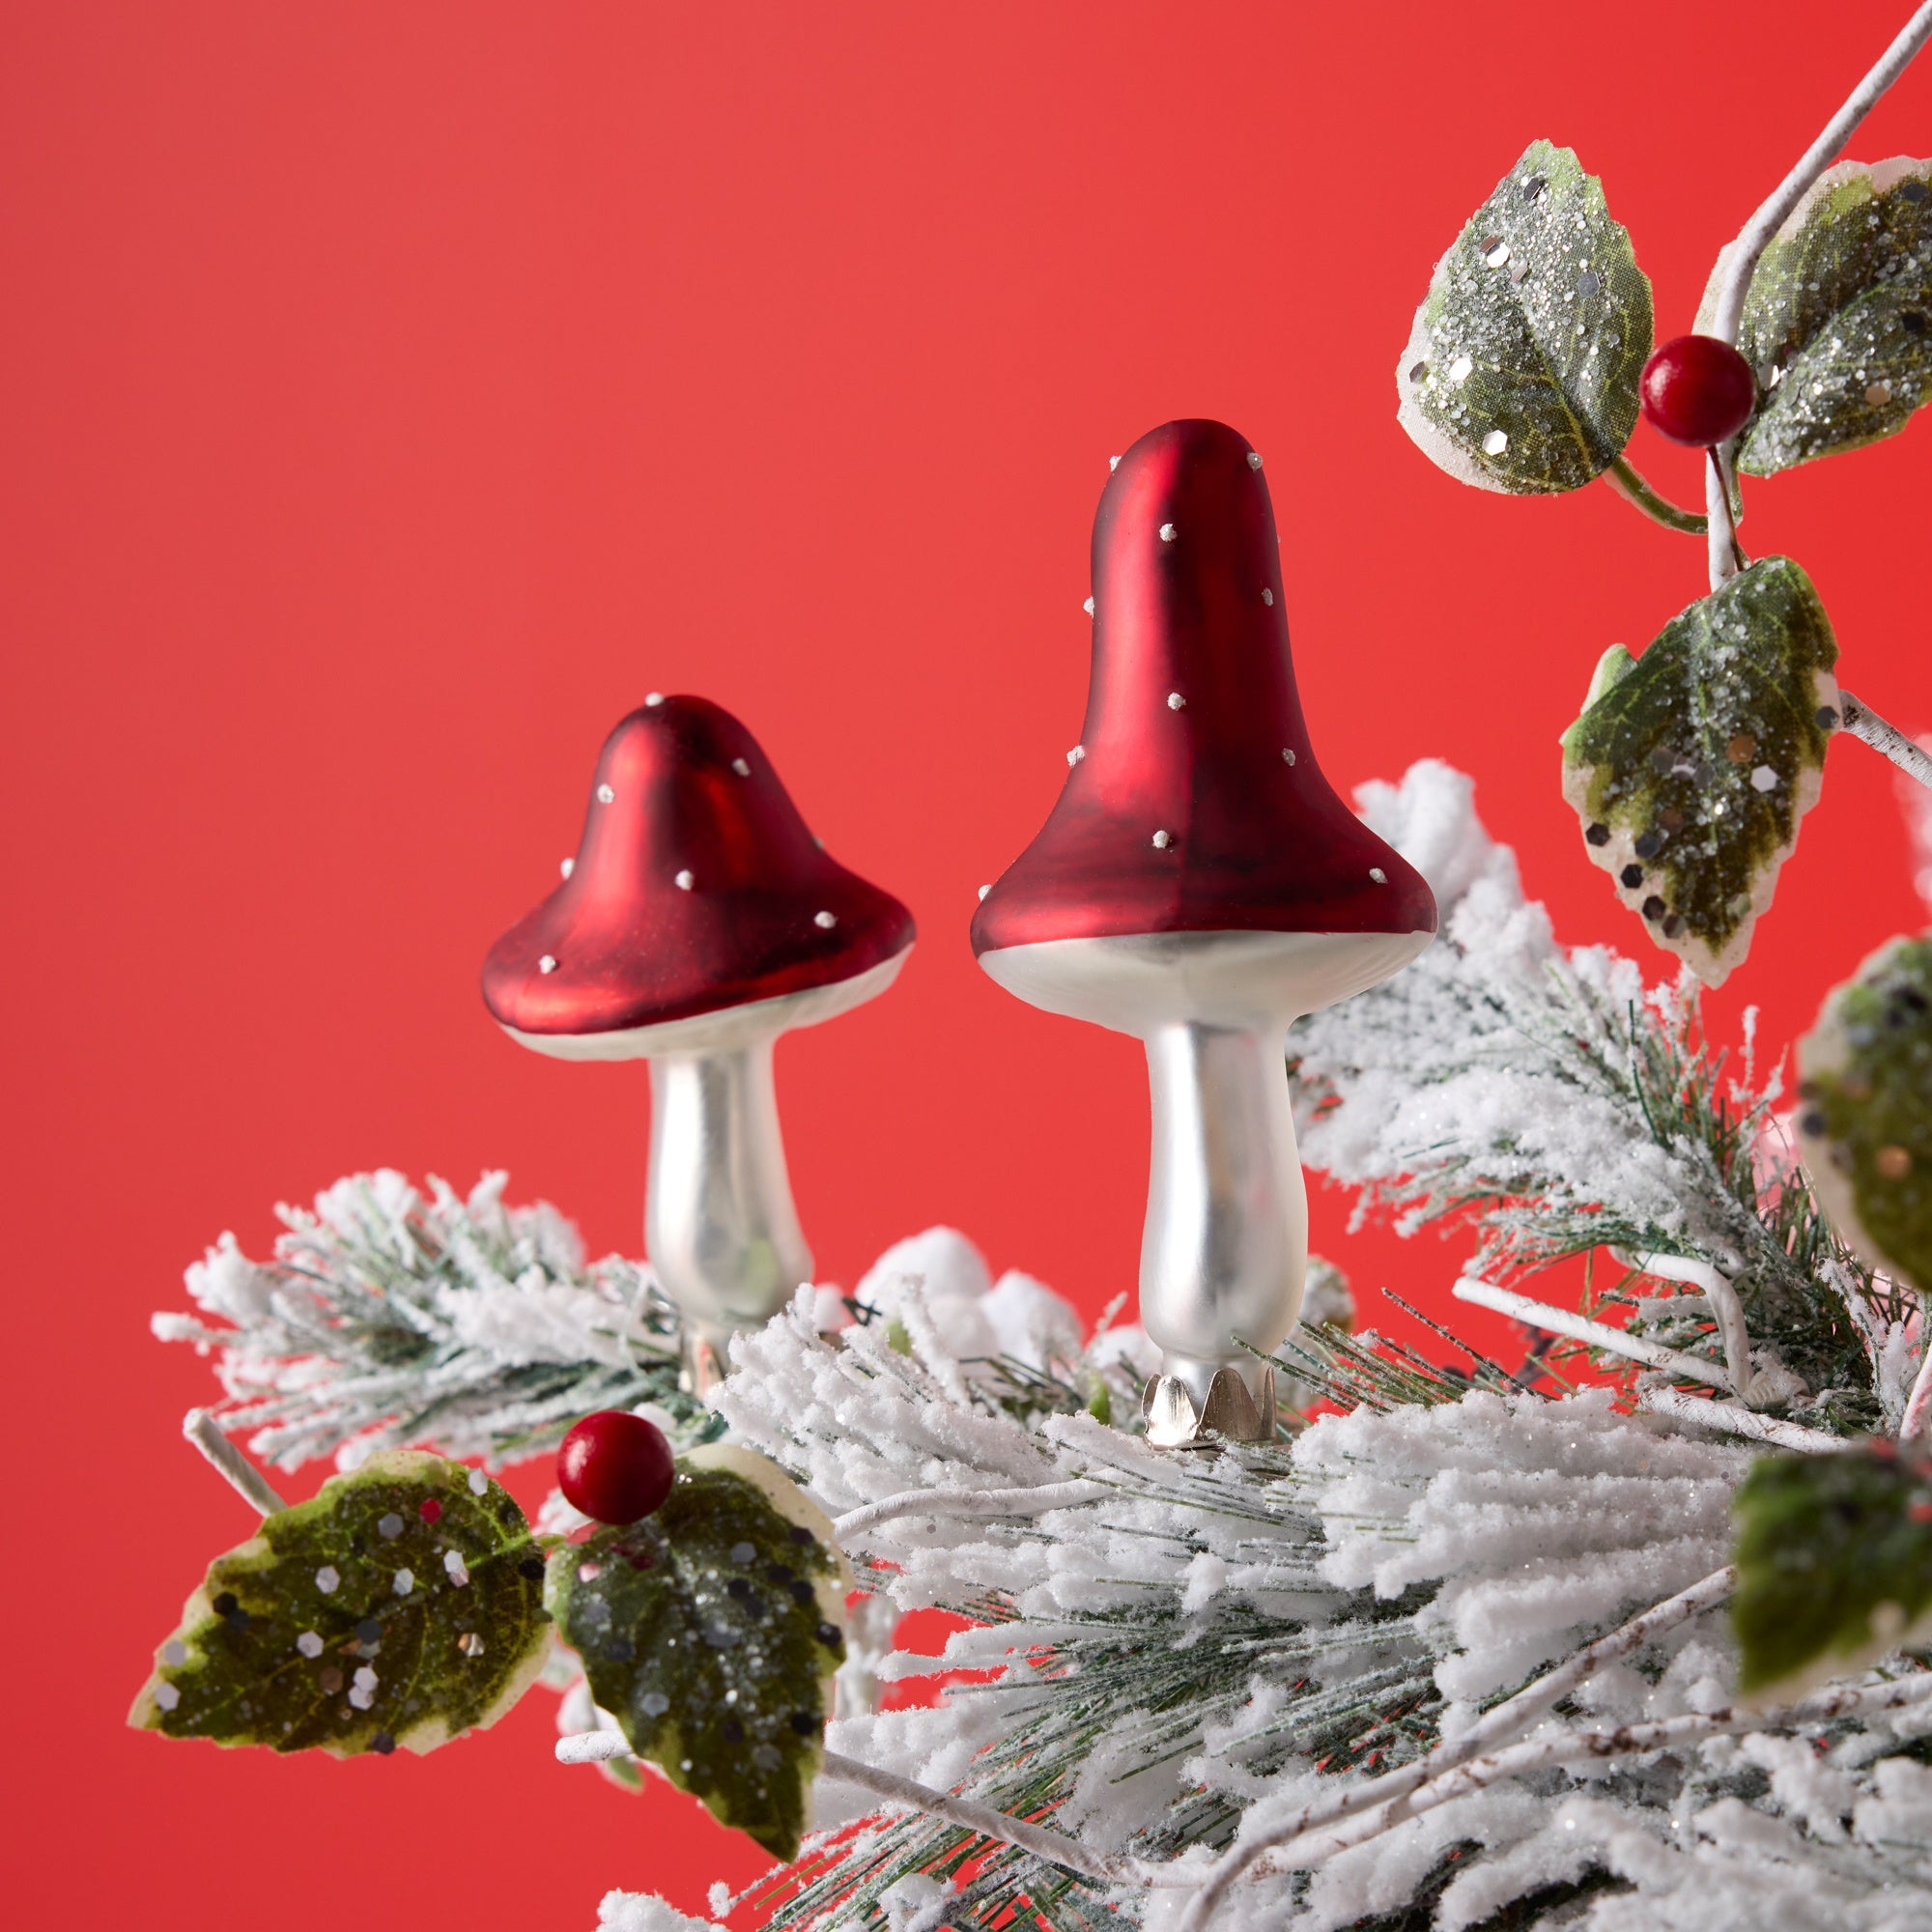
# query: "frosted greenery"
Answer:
x=1837 y=323
x=1867 y=1109
x=1691 y=766
x=1834 y=1560
x=402 y=1606
x=711 y=1630
x=389 y=1314
x=1522 y=372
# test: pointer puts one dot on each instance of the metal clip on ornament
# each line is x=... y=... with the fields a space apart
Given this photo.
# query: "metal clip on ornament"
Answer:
x=1200 y=886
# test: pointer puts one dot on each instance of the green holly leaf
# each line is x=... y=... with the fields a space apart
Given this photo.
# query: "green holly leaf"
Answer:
x=1692 y=765
x=1520 y=373
x=1865 y=1123
x=402 y=1606
x=1838 y=319
x=1834 y=1565
x=711 y=1630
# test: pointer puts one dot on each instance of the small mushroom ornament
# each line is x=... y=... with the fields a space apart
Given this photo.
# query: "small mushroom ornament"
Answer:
x=699 y=921
x=1200 y=886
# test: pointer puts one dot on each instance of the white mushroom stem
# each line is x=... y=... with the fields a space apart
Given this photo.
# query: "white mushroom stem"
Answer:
x=228 y=1462
x=1597 y=1334
x=720 y=1226
x=1225 y=1247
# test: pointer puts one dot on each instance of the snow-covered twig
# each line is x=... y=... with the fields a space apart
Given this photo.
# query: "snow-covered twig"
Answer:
x=1597 y=1334
x=1865 y=723
x=1492 y=1728
x=1744 y=252
x=1720 y=1291
x=254 y=1489
x=936 y=1503
x=1747 y=1423
x=601 y=1746
x=1633 y=1740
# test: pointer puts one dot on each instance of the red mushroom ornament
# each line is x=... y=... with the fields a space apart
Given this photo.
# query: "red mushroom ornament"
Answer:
x=698 y=920
x=1200 y=886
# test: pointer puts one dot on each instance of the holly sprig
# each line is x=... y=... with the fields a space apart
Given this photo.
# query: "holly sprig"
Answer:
x=1529 y=363
x=411 y=1602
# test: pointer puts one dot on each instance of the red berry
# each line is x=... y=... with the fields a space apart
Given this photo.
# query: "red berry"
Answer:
x=1698 y=390
x=614 y=1467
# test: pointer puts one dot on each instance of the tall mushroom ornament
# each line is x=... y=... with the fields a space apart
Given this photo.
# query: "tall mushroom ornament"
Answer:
x=699 y=921
x=1200 y=886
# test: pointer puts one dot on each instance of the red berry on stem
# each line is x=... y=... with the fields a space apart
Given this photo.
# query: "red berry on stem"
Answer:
x=614 y=1467
x=1698 y=390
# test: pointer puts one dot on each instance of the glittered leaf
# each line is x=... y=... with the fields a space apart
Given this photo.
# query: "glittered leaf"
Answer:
x=711 y=1630
x=1691 y=765
x=1520 y=373
x=402 y=1606
x=1865 y=1122
x=1838 y=319
x=1834 y=1565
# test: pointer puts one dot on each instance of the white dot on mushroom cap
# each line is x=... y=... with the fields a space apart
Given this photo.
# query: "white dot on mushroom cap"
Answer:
x=742 y=767
x=1113 y=463
x=1288 y=755
x=1764 y=779
x=309 y=1645
x=1380 y=877
x=166 y=1696
x=1088 y=606
x=327 y=1579
x=984 y=890
x=825 y=919
x=654 y=699
x=174 y=1651
x=1075 y=756
x=1254 y=459
x=605 y=794
x=1268 y=596
x=684 y=881
x=1176 y=702
x=546 y=964
x=1162 y=841
x=1167 y=533
x=1496 y=443
x=478 y=1482
x=402 y=1582
x=568 y=866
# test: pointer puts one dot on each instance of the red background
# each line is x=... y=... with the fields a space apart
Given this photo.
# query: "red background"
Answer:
x=393 y=393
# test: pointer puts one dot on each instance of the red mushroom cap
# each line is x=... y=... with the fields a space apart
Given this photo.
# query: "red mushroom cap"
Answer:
x=1196 y=804
x=697 y=887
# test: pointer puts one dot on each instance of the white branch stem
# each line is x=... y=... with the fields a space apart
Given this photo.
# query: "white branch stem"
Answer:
x=1368 y=1800
x=1633 y=1740
x=1598 y=1334
x=1696 y=1410
x=1865 y=723
x=601 y=1747
x=1017 y=1502
x=1719 y=1292
x=1740 y=262
x=254 y=1488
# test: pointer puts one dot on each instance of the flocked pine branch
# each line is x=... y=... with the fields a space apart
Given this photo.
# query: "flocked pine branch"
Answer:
x=1552 y=1101
x=389 y=1316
